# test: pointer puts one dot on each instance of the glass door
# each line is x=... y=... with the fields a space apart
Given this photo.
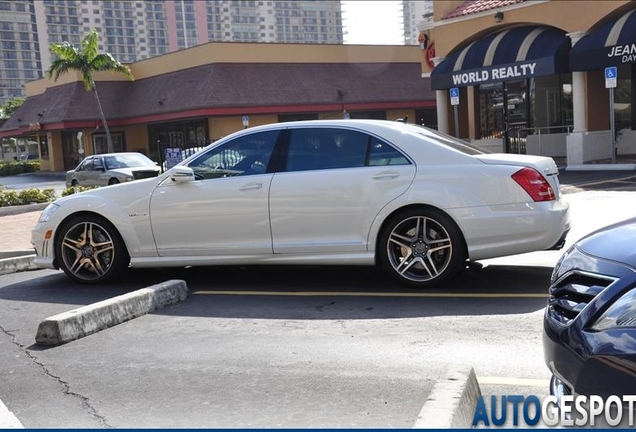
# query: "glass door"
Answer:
x=516 y=115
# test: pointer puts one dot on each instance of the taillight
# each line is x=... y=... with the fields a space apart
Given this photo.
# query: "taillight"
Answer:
x=534 y=184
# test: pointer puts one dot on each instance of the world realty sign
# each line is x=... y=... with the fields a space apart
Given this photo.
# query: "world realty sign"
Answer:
x=501 y=73
x=489 y=74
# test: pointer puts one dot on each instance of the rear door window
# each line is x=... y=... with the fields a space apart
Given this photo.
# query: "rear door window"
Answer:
x=333 y=148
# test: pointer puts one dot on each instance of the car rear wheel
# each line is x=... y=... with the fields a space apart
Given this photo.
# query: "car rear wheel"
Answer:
x=421 y=247
x=74 y=183
x=90 y=250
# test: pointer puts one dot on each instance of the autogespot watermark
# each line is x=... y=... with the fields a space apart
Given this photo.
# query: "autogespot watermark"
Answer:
x=569 y=411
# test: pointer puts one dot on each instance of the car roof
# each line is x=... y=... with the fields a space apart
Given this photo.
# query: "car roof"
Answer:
x=366 y=124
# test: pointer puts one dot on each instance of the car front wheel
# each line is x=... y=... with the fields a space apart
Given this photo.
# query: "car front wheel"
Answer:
x=90 y=250
x=421 y=247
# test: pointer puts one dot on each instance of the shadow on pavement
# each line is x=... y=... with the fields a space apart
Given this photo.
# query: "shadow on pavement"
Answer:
x=280 y=292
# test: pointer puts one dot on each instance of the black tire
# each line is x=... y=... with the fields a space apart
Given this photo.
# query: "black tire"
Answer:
x=74 y=183
x=421 y=247
x=100 y=258
x=113 y=181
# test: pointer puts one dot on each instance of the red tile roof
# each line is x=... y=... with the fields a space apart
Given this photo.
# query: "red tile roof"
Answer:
x=475 y=6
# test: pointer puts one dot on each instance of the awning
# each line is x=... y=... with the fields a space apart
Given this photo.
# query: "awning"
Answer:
x=511 y=54
x=611 y=44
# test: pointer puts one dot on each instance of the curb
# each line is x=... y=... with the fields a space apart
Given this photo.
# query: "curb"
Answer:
x=77 y=323
x=7 y=419
x=16 y=210
x=18 y=261
x=452 y=401
x=601 y=167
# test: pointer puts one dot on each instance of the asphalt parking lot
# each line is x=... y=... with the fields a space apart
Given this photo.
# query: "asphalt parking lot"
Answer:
x=287 y=347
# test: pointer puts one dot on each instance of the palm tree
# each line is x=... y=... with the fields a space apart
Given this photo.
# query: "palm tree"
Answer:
x=87 y=60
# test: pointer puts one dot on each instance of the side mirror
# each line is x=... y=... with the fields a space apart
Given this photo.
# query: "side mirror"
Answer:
x=182 y=174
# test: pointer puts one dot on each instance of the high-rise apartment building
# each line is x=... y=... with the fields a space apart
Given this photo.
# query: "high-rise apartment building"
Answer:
x=418 y=16
x=132 y=30
x=19 y=47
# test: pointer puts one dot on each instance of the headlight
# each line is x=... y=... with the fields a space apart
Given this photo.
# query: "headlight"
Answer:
x=48 y=212
x=621 y=314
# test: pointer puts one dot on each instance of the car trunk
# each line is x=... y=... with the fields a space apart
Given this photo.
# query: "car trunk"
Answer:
x=544 y=165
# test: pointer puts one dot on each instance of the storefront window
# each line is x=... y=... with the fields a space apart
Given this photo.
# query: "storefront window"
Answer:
x=491 y=110
x=296 y=117
x=551 y=98
x=426 y=117
x=623 y=99
x=100 y=143
x=72 y=148
x=44 y=147
x=190 y=134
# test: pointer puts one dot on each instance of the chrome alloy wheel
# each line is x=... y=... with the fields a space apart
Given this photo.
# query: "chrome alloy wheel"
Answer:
x=87 y=251
x=419 y=249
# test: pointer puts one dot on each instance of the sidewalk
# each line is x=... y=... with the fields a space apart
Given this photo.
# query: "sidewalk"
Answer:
x=15 y=231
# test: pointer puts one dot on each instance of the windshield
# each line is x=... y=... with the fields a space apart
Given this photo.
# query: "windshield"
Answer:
x=127 y=161
x=447 y=140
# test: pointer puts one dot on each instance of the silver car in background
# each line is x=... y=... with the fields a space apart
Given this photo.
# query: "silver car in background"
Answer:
x=111 y=168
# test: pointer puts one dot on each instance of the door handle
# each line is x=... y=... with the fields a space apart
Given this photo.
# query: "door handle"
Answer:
x=386 y=175
x=251 y=186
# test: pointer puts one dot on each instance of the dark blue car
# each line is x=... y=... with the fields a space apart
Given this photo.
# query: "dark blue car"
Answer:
x=589 y=334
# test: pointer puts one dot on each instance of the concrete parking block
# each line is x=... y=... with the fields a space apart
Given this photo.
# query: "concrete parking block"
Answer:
x=17 y=263
x=452 y=402
x=77 y=323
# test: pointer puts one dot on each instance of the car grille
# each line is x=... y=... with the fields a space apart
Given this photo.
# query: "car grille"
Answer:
x=144 y=174
x=571 y=294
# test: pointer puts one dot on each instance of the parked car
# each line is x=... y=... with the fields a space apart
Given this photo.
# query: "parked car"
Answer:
x=364 y=192
x=111 y=168
x=589 y=328
x=28 y=157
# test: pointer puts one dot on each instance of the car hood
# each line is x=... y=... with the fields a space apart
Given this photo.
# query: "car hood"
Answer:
x=615 y=242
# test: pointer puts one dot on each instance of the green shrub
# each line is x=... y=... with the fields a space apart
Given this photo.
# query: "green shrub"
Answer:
x=8 y=198
x=15 y=168
x=76 y=189
x=26 y=196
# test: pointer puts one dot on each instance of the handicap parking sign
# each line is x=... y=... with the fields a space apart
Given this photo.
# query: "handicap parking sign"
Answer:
x=611 y=75
x=454 y=95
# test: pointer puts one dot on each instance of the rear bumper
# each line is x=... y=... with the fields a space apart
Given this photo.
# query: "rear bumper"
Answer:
x=511 y=229
x=561 y=242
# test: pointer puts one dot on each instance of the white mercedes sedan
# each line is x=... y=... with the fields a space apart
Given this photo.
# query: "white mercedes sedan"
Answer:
x=417 y=202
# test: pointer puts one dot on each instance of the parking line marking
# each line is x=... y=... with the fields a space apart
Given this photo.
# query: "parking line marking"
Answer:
x=531 y=382
x=370 y=294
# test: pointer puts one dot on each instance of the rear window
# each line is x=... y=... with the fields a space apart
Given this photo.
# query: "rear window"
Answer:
x=446 y=140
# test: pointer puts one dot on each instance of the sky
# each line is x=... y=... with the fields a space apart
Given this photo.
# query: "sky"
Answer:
x=372 y=22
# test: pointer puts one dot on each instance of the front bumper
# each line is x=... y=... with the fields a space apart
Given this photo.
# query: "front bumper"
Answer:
x=44 y=253
x=589 y=361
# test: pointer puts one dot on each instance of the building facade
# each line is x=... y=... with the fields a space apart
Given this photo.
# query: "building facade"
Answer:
x=133 y=30
x=417 y=16
x=529 y=76
x=194 y=96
